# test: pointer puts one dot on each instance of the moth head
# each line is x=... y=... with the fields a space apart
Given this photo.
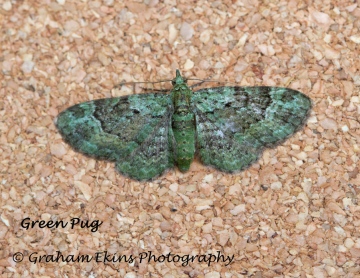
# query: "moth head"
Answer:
x=178 y=79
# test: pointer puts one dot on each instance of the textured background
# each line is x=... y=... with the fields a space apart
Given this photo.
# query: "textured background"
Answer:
x=295 y=213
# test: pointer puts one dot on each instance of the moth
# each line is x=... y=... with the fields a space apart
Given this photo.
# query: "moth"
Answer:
x=145 y=134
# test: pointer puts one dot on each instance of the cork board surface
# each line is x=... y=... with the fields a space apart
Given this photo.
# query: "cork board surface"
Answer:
x=295 y=213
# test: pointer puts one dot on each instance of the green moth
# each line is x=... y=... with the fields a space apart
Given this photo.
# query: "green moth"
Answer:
x=146 y=134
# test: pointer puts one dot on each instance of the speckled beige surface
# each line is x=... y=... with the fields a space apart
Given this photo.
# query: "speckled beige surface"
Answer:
x=295 y=213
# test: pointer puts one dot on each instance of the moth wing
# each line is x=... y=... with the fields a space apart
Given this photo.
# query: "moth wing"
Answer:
x=118 y=129
x=153 y=156
x=235 y=124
